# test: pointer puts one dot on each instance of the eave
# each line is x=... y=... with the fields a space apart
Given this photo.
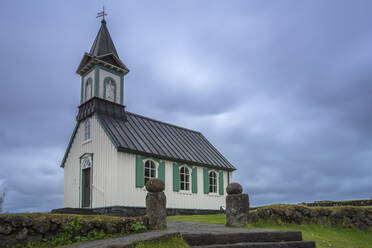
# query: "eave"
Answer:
x=121 y=149
x=97 y=61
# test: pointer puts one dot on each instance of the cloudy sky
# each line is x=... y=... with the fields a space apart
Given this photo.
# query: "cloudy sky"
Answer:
x=282 y=88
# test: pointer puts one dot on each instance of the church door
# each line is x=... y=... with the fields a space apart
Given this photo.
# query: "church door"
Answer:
x=86 y=187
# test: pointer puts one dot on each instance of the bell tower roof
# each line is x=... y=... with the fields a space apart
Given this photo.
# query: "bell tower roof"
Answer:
x=102 y=52
x=103 y=43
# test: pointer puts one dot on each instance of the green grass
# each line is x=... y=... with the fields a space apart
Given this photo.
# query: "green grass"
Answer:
x=325 y=236
x=214 y=218
x=173 y=242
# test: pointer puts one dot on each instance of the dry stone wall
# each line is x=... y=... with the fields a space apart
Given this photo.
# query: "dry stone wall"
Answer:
x=18 y=230
x=357 y=217
x=339 y=203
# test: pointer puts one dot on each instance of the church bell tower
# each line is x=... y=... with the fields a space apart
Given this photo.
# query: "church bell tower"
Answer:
x=101 y=70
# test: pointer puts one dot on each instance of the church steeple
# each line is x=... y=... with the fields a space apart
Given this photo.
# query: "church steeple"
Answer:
x=102 y=72
x=103 y=43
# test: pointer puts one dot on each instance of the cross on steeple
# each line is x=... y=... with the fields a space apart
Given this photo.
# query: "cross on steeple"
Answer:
x=102 y=13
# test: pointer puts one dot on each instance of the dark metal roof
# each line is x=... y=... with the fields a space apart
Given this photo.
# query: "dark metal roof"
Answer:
x=139 y=134
x=103 y=43
x=101 y=106
x=103 y=52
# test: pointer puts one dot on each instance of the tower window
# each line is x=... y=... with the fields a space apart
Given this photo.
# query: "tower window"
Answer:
x=185 y=178
x=88 y=89
x=212 y=182
x=87 y=130
x=109 y=89
x=150 y=170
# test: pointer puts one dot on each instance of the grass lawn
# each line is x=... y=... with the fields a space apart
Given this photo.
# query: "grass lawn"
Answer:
x=174 y=242
x=323 y=235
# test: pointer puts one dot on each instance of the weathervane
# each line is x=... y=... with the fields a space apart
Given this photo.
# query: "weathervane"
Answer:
x=102 y=13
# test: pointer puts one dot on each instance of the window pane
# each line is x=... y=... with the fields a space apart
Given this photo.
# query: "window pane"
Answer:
x=187 y=178
x=152 y=173
x=182 y=177
x=182 y=186
x=187 y=186
x=147 y=173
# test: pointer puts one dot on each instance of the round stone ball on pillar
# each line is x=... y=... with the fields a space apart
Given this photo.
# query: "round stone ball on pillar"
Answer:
x=237 y=205
x=156 y=204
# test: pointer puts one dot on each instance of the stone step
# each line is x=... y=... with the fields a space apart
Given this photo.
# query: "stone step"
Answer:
x=198 y=239
x=288 y=244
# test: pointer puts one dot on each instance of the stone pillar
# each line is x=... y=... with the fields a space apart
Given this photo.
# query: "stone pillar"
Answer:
x=156 y=204
x=237 y=205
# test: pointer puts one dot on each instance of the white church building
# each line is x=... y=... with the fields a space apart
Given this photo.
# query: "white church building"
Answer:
x=112 y=153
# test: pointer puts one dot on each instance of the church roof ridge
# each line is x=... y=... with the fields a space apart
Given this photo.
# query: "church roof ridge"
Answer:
x=162 y=122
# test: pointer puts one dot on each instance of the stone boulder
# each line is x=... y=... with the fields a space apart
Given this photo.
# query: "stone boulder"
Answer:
x=155 y=185
x=237 y=205
x=156 y=210
x=234 y=189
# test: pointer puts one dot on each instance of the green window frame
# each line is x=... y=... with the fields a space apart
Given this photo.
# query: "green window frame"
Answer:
x=140 y=169
x=193 y=178
x=150 y=170
x=218 y=182
x=185 y=178
x=213 y=181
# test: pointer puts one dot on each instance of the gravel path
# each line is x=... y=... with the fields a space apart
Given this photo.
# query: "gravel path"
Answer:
x=174 y=227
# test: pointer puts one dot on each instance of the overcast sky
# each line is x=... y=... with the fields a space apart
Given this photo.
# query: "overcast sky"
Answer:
x=282 y=88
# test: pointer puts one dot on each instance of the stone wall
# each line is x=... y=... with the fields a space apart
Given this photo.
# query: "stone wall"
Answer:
x=18 y=230
x=133 y=211
x=348 y=217
x=339 y=203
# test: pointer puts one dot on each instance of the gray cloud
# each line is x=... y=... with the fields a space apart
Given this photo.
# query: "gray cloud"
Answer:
x=281 y=88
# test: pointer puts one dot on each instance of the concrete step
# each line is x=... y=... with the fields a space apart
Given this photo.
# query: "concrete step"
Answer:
x=288 y=244
x=200 y=239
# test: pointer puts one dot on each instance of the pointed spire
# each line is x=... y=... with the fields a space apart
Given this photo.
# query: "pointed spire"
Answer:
x=103 y=43
x=102 y=52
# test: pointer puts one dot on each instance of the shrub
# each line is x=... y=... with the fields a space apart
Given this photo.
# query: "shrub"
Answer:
x=137 y=227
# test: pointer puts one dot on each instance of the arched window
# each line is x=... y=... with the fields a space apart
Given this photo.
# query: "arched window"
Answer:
x=109 y=89
x=185 y=178
x=88 y=89
x=87 y=130
x=86 y=163
x=212 y=182
x=150 y=170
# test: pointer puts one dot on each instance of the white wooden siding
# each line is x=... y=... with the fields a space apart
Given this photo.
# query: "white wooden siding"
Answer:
x=114 y=177
x=129 y=195
x=104 y=167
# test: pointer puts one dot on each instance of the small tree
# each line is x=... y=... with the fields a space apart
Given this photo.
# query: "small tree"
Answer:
x=2 y=198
